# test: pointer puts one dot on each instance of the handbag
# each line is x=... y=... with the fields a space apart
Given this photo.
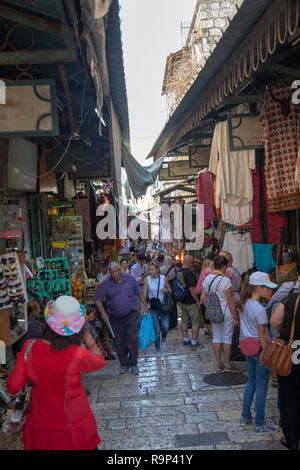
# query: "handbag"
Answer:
x=15 y=416
x=286 y=272
x=147 y=333
x=155 y=303
x=278 y=355
x=167 y=304
x=250 y=346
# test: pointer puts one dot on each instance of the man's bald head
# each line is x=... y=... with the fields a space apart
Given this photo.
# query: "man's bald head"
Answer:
x=188 y=261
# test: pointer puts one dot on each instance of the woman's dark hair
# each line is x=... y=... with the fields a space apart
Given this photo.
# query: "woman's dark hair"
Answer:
x=58 y=342
x=141 y=257
x=122 y=260
x=220 y=262
x=246 y=294
x=160 y=258
x=178 y=264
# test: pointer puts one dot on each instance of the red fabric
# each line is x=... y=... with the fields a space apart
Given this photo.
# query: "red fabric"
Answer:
x=205 y=197
x=265 y=225
x=61 y=417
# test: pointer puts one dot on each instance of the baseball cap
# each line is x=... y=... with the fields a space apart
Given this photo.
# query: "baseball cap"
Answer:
x=261 y=279
x=103 y=262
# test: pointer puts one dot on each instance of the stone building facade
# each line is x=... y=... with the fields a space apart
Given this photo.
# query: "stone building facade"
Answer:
x=211 y=19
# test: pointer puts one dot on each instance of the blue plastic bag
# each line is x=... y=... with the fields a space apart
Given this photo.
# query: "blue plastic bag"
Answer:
x=147 y=333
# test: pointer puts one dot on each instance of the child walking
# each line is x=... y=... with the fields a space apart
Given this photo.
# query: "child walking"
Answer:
x=253 y=324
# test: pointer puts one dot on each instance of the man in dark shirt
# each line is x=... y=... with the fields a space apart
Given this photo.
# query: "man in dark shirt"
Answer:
x=34 y=328
x=190 y=305
x=120 y=291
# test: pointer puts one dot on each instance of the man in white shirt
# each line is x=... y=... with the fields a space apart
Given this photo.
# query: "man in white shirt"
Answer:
x=103 y=274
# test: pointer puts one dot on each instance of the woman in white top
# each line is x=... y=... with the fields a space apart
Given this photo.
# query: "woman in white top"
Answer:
x=219 y=284
x=155 y=287
x=254 y=321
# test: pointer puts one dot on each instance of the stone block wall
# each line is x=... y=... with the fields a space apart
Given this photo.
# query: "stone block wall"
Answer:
x=211 y=19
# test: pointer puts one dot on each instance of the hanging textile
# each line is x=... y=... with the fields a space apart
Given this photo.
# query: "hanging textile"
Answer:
x=234 y=168
x=263 y=257
x=140 y=177
x=266 y=226
x=234 y=187
x=281 y=121
x=82 y=207
x=205 y=197
x=240 y=246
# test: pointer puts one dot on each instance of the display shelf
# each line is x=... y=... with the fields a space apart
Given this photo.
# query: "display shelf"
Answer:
x=49 y=282
x=13 y=314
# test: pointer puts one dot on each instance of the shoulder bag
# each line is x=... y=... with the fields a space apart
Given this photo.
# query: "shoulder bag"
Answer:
x=278 y=356
x=19 y=405
x=155 y=303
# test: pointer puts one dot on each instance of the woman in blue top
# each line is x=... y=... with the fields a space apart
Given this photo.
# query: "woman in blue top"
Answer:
x=253 y=324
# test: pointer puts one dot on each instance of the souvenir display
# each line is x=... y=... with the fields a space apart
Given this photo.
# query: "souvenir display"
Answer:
x=49 y=282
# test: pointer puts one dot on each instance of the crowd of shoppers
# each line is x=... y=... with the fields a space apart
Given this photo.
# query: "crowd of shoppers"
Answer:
x=127 y=291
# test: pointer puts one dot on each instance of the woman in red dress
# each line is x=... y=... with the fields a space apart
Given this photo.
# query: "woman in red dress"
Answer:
x=60 y=416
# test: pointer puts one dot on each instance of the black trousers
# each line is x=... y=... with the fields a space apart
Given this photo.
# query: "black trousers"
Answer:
x=290 y=406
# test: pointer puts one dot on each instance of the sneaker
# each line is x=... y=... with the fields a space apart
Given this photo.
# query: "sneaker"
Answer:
x=134 y=370
x=186 y=343
x=124 y=369
x=195 y=346
x=164 y=346
x=266 y=428
x=157 y=353
x=245 y=421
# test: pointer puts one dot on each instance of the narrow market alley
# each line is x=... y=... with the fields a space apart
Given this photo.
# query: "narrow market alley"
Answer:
x=169 y=405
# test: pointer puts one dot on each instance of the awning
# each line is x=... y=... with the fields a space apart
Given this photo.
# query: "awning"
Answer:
x=139 y=177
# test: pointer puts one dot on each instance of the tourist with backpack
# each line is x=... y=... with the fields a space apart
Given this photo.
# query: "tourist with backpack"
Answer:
x=217 y=296
x=184 y=292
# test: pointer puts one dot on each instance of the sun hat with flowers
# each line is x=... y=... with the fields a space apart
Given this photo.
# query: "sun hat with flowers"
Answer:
x=65 y=316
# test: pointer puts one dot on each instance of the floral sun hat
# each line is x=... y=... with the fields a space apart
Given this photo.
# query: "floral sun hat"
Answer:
x=65 y=316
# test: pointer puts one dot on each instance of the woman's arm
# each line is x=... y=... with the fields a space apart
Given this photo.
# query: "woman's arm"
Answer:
x=203 y=299
x=18 y=377
x=262 y=333
x=168 y=288
x=231 y=305
x=145 y=287
x=277 y=317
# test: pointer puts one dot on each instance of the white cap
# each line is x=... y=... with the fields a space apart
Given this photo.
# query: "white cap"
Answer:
x=262 y=279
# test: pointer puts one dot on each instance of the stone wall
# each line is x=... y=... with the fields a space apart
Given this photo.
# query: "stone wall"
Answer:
x=211 y=19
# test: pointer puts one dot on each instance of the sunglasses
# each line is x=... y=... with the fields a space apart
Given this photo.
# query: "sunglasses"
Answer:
x=10 y=268
x=15 y=286
x=11 y=277
x=13 y=291
x=8 y=260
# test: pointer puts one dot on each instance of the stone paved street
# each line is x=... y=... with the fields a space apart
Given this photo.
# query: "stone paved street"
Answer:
x=169 y=406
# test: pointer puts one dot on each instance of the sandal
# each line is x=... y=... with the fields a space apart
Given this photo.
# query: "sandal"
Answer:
x=219 y=368
x=227 y=369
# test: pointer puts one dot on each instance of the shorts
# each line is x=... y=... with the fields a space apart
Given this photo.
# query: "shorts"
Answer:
x=190 y=314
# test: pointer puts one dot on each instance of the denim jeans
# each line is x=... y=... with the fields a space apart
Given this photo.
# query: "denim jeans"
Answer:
x=258 y=377
x=157 y=318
